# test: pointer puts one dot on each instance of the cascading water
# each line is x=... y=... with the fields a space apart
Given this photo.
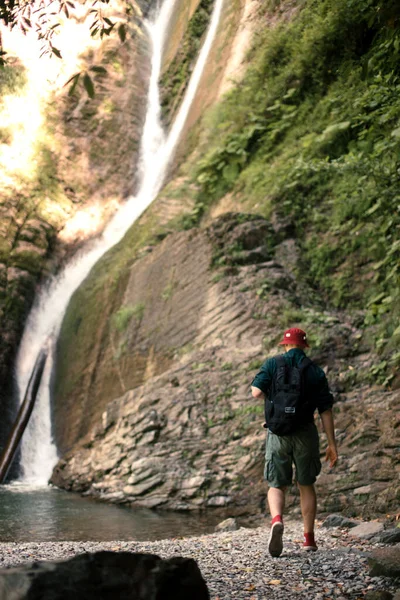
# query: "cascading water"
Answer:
x=38 y=452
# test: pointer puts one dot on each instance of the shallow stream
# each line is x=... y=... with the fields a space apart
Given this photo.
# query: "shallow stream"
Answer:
x=30 y=514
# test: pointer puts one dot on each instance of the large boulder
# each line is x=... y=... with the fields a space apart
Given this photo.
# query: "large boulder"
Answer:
x=104 y=575
x=385 y=562
x=367 y=530
x=340 y=521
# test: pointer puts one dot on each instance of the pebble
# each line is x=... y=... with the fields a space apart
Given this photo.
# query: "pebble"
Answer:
x=236 y=564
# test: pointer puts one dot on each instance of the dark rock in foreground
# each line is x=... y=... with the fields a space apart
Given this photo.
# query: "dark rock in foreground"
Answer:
x=105 y=575
x=390 y=536
x=385 y=562
x=339 y=521
x=378 y=595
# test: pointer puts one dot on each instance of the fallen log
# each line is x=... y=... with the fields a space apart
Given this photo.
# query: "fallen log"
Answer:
x=23 y=416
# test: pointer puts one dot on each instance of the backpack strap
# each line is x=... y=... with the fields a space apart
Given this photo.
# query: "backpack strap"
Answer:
x=281 y=365
x=280 y=358
x=280 y=361
x=305 y=363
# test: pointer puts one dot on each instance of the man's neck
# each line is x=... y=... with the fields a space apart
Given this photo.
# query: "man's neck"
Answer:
x=290 y=347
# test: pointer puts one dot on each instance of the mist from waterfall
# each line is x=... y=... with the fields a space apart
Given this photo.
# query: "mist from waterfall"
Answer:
x=38 y=452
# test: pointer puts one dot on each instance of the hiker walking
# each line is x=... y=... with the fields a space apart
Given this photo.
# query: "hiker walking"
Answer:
x=293 y=387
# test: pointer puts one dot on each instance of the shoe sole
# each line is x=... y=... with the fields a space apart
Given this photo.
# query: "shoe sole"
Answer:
x=275 y=544
x=310 y=548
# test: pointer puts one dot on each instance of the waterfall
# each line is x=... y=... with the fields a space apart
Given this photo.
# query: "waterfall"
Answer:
x=38 y=452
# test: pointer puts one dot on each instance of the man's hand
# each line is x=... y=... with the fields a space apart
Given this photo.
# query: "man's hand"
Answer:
x=328 y=425
x=331 y=455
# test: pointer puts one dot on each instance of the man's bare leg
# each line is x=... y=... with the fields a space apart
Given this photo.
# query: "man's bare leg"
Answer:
x=276 y=503
x=308 y=503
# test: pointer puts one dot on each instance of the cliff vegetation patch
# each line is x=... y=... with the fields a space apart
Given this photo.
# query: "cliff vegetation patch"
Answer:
x=312 y=135
x=176 y=78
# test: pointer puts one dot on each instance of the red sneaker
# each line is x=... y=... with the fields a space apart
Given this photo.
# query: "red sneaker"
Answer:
x=309 y=544
x=275 y=543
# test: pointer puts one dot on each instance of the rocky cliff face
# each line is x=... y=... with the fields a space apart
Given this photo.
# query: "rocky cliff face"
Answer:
x=186 y=433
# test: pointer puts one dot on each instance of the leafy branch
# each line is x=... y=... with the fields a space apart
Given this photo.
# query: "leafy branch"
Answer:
x=45 y=19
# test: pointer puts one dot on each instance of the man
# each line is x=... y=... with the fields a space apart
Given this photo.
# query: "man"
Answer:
x=300 y=447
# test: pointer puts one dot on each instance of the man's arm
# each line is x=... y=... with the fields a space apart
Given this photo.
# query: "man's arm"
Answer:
x=256 y=392
x=329 y=428
x=259 y=394
x=262 y=381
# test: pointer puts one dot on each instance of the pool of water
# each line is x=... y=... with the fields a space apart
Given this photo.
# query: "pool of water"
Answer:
x=48 y=514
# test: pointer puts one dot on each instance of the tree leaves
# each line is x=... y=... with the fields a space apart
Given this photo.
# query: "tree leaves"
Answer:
x=45 y=21
x=74 y=82
x=55 y=51
x=88 y=83
x=98 y=69
x=396 y=133
x=87 y=80
x=122 y=32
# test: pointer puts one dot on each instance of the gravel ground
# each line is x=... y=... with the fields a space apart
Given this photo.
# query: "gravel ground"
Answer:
x=237 y=564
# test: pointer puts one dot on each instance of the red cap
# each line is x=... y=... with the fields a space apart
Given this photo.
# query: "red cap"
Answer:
x=294 y=336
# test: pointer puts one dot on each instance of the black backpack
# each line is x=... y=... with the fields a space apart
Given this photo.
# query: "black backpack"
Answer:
x=287 y=408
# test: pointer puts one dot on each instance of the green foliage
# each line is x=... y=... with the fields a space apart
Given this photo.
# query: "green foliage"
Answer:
x=253 y=409
x=227 y=255
x=225 y=394
x=219 y=169
x=27 y=261
x=176 y=77
x=29 y=17
x=12 y=79
x=124 y=315
x=227 y=366
x=168 y=291
x=187 y=221
x=183 y=350
x=264 y=289
x=202 y=366
x=313 y=134
x=86 y=79
x=218 y=276
x=255 y=364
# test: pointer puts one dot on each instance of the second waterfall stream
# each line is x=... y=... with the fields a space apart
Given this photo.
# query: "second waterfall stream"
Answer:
x=38 y=452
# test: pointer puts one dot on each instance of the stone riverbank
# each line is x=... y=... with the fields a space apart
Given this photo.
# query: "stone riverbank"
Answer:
x=237 y=565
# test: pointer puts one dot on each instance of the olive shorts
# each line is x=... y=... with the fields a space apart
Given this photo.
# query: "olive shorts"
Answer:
x=300 y=449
